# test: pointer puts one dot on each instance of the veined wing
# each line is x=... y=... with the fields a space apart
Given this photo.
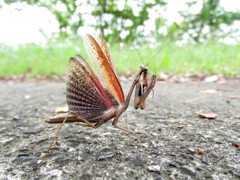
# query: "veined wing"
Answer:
x=85 y=94
x=103 y=45
x=104 y=69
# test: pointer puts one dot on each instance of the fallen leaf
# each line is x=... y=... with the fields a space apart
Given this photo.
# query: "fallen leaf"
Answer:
x=159 y=129
x=182 y=126
x=237 y=116
x=211 y=78
x=155 y=168
x=234 y=97
x=200 y=152
x=208 y=91
x=163 y=76
x=208 y=115
x=90 y=172
x=192 y=150
x=27 y=97
x=222 y=82
x=236 y=145
x=232 y=121
x=239 y=135
x=193 y=82
x=62 y=109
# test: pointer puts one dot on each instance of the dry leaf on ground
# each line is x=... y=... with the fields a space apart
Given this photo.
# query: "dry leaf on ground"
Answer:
x=236 y=145
x=208 y=91
x=182 y=126
x=222 y=82
x=234 y=97
x=62 y=109
x=237 y=116
x=90 y=171
x=200 y=152
x=211 y=78
x=208 y=115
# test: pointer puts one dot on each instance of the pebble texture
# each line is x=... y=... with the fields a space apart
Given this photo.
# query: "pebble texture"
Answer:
x=177 y=141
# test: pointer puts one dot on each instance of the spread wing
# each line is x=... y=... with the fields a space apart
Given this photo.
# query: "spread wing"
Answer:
x=85 y=94
x=103 y=45
x=104 y=68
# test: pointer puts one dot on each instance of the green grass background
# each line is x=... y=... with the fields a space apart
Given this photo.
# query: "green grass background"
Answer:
x=52 y=59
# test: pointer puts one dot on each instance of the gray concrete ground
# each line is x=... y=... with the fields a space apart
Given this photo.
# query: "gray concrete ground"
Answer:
x=170 y=129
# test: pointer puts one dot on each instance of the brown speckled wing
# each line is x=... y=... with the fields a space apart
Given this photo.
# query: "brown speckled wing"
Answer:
x=85 y=94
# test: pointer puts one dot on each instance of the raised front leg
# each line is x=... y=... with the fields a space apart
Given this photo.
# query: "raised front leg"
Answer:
x=142 y=98
x=136 y=81
x=142 y=95
x=140 y=89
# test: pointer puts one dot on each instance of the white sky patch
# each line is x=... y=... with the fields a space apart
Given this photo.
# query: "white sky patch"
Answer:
x=136 y=8
x=18 y=27
x=173 y=7
x=120 y=5
x=61 y=7
x=230 y=5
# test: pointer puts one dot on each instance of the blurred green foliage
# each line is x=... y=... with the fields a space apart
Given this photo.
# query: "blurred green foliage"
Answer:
x=52 y=59
x=124 y=19
x=211 y=16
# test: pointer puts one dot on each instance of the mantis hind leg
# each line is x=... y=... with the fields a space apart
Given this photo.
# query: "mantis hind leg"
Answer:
x=73 y=113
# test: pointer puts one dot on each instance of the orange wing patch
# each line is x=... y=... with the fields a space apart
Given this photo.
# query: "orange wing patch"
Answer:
x=103 y=68
x=103 y=45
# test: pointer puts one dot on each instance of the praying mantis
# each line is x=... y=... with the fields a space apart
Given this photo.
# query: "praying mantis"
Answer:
x=95 y=97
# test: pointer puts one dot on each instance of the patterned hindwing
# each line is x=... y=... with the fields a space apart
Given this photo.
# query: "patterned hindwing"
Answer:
x=85 y=95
